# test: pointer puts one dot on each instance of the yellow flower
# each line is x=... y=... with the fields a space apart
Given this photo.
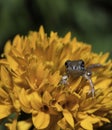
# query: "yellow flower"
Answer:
x=31 y=69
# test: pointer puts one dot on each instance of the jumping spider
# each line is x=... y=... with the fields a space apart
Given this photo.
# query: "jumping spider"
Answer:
x=75 y=69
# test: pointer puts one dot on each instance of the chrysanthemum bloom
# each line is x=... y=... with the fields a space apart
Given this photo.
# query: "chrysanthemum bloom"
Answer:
x=30 y=71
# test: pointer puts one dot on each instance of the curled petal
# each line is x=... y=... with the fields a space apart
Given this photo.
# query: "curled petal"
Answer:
x=41 y=120
x=47 y=97
x=36 y=101
x=86 y=125
x=25 y=101
x=88 y=122
x=62 y=123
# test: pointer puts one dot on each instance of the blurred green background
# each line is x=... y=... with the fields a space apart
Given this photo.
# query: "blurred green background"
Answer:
x=89 y=20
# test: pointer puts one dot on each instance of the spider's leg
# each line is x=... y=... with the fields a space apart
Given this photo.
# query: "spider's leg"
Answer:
x=94 y=66
x=92 y=90
x=64 y=80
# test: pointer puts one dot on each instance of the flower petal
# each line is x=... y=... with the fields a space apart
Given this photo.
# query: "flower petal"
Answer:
x=62 y=123
x=13 y=64
x=68 y=116
x=25 y=102
x=3 y=94
x=104 y=83
x=74 y=86
x=47 y=97
x=88 y=122
x=66 y=38
x=5 y=76
x=5 y=110
x=55 y=78
x=12 y=125
x=86 y=125
x=7 y=48
x=36 y=101
x=42 y=33
x=24 y=125
x=41 y=120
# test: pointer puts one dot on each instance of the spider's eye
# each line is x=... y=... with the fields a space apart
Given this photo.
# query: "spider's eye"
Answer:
x=82 y=63
x=67 y=63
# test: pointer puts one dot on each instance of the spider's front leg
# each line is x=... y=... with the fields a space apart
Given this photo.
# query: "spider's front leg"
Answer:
x=64 y=80
x=94 y=66
x=87 y=75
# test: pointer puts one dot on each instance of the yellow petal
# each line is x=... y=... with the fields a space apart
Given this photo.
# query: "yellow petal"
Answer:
x=82 y=115
x=47 y=97
x=41 y=120
x=32 y=85
x=75 y=85
x=104 y=119
x=88 y=122
x=55 y=78
x=4 y=62
x=7 y=47
x=24 y=125
x=5 y=110
x=17 y=54
x=61 y=97
x=12 y=125
x=5 y=76
x=104 y=58
x=62 y=123
x=3 y=94
x=53 y=37
x=42 y=33
x=58 y=107
x=68 y=116
x=67 y=37
x=92 y=110
x=103 y=84
x=36 y=101
x=13 y=64
x=86 y=125
x=17 y=42
x=25 y=102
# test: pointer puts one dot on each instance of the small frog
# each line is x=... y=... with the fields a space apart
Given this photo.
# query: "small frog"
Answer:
x=77 y=68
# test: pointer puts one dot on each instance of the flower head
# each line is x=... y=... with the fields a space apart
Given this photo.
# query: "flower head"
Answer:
x=30 y=73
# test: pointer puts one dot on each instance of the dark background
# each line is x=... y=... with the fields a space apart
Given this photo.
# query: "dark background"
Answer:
x=89 y=20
